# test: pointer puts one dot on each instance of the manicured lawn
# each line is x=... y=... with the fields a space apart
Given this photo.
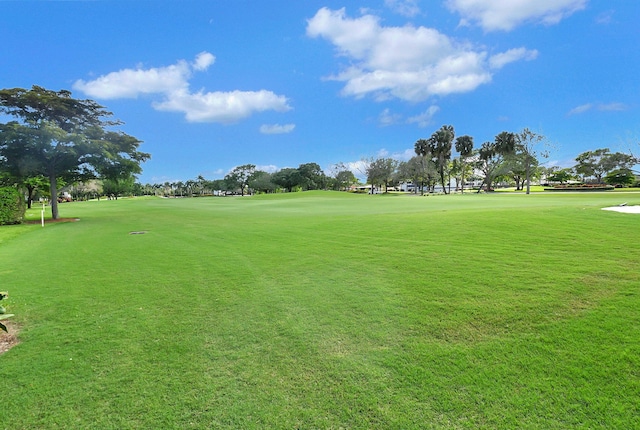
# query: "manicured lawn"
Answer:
x=326 y=310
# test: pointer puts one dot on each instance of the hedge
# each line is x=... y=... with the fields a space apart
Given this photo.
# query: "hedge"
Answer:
x=12 y=207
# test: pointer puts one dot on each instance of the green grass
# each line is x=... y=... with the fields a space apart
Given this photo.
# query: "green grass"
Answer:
x=326 y=310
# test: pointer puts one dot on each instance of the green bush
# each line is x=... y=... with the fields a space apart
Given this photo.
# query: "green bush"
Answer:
x=12 y=206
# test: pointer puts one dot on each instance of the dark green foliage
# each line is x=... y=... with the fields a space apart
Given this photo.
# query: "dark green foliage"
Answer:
x=12 y=206
x=3 y=314
x=61 y=138
x=623 y=177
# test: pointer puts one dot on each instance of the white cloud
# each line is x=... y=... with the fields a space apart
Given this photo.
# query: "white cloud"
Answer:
x=505 y=15
x=425 y=119
x=269 y=168
x=203 y=61
x=600 y=107
x=276 y=128
x=605 y=18
x=408 y=63
x=386 y=118
x=222 y=107
x=403 y=7
x=172 y=82
x=581 y=109
x=500 y=60
x=616 y=107
x=405 y=155
x=130 y=83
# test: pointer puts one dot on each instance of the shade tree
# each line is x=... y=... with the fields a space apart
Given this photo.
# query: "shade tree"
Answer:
x=492 y=156
x=262 y=182
x=599 y=162
x=623 y=177
x=419 y=170
x=381 y=171
x=59 y=137
x=240 y=176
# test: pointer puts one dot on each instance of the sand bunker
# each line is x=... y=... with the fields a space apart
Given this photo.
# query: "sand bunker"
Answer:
x=625 y=209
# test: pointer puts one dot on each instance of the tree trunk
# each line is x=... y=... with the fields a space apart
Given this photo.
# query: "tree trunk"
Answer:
x=30 y=191
x=53 y=189
x=528 y=179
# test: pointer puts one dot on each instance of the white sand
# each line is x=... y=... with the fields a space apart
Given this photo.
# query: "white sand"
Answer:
x=625 y=209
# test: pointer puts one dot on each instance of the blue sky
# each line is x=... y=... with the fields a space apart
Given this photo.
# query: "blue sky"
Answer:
x=209 y=85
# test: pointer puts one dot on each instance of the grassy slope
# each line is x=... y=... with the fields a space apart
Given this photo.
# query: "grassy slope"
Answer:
x=327 y=310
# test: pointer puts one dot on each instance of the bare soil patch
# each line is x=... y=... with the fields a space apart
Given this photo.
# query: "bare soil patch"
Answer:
x=10 y=339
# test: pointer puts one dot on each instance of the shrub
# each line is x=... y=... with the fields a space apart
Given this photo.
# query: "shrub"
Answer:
x=3 y=313
x=12 y=207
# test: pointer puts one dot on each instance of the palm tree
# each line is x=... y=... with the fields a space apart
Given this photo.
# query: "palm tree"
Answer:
x=440 y=144
x=464 y=146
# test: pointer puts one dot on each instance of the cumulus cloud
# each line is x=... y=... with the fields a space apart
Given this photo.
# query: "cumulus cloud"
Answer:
x=203 y=61
x=222 y=107
x=409 y=63
x=505 y=15
x=172 y=83
x=600 y=107
x=276 y=128
x=130 y=83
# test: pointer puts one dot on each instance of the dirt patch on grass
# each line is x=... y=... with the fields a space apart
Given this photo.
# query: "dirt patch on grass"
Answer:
x=10 y=339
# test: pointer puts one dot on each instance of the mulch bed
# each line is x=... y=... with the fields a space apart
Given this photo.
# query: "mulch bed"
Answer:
x=8 y=340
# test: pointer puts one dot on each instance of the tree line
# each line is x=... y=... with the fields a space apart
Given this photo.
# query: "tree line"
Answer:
x=514 y=158
x=57 y=141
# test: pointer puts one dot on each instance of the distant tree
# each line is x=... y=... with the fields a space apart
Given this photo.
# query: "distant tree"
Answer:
x=381 y=171
x=240 y=176
x=114 y=188
x=60 y=137
x=561 y=175
x=456 y=169
x=528 y=147
x=491 y=157
x=218 y=185
x=599 y=162
x=516 y=165
x=440 y=144
x=286 y=178
x=261 y=181
x=464 y=146
x=623 y=177
x=311 y=177
x=344 y=178
x=201 y=183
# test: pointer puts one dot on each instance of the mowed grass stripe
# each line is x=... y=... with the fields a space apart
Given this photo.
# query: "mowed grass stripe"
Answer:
x=327 y=310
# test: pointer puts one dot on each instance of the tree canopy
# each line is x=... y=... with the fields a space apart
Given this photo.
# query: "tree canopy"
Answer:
x=59 y=137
